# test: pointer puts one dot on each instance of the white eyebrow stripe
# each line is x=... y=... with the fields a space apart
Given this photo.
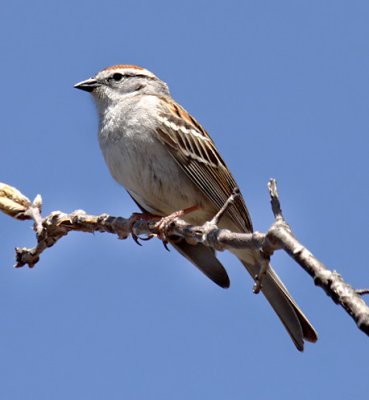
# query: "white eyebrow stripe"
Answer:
x=129 y=70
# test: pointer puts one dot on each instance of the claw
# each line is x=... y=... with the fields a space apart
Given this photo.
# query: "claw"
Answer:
x=136 y=217
x=147 y=238
x=135 y=238
x=165 y=244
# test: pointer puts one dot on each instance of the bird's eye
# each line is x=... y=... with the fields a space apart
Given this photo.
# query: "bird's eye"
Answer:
x=117 y=77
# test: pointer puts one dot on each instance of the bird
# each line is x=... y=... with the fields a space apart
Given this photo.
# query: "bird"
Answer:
x=168 y=162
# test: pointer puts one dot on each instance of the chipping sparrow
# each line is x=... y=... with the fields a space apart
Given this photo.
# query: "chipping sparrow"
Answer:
x=167 y=162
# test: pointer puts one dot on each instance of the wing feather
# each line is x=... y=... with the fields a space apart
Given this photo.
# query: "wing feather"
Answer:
x=191 y=146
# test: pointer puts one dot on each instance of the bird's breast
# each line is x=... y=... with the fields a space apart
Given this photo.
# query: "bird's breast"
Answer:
x=142 y=165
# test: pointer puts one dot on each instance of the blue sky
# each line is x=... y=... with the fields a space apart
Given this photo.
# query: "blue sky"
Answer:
x=283 y=89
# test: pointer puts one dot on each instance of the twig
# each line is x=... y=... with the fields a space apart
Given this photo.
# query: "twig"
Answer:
x=226 y=205
x=274 y=199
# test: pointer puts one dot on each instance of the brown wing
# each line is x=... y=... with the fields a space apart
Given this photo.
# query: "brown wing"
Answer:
x=191 y=146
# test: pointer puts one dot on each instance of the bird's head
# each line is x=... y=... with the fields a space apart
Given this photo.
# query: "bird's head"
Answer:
x=113 y=84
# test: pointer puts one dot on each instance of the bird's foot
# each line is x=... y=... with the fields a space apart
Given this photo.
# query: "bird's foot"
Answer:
x=137 y=217
x=165 y=223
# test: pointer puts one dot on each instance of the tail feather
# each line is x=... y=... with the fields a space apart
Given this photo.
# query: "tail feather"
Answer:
x=293 y=319
x=205 y=260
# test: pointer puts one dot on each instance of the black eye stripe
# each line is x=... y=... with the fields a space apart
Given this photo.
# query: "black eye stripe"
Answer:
x=141 y=76
x=118 y=76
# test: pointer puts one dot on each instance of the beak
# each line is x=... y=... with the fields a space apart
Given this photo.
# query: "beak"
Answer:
x=88 y=85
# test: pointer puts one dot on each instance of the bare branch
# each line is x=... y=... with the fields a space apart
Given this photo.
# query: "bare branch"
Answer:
x=226 y=205
x=274 y=199
x=331 y=282
x=53 y=227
